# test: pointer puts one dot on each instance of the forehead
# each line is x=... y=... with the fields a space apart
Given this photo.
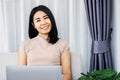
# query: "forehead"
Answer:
x=39 y=14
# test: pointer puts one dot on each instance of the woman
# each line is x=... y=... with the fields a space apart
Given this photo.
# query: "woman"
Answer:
x=44 y=47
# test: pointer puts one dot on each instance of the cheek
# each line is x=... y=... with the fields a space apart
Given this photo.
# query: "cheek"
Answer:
x=37 y=25
x=49 y=21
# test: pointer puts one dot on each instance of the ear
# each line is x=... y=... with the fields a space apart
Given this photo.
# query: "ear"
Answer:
x=33 y=25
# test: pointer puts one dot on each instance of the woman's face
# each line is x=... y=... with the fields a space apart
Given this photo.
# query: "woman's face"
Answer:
x=42 y=22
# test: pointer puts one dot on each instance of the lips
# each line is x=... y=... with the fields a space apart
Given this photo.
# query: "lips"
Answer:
x=45 y=27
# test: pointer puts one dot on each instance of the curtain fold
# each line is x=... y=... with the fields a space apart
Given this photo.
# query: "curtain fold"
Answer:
x=98 y=13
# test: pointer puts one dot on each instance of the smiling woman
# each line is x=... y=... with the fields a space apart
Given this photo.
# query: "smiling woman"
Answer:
x=44 y=47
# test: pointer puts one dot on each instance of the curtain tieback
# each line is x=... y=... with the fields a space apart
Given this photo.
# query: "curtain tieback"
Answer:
x=101 y=46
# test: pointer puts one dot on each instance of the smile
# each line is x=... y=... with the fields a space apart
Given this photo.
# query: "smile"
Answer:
x=45 y=27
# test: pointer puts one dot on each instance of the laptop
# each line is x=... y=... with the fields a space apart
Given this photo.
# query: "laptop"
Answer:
x=34 y=73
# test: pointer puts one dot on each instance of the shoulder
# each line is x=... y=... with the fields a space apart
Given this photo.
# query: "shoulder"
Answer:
x=27 y=42
x=62 y=42
x=63 y=45
x=26 y=45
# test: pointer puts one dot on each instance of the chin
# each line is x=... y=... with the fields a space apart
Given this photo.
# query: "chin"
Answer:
x=45 y=32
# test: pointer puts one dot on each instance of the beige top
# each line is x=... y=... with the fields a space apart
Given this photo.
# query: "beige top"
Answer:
x=40 y=52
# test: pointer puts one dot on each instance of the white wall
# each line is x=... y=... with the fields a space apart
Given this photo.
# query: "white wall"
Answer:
x=6 y=59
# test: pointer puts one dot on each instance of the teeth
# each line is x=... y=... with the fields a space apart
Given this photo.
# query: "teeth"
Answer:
x=45 y=27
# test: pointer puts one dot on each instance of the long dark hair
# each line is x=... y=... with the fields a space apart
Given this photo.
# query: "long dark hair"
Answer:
x=53 y=34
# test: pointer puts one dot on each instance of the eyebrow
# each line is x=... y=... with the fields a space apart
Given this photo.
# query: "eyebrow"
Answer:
x=37 y=18
x=43 y=17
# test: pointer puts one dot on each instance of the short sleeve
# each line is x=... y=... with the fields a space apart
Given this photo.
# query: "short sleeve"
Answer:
x=63 y=46
x=23 y=47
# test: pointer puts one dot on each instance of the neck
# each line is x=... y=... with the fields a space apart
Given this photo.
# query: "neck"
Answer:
x=45 y=36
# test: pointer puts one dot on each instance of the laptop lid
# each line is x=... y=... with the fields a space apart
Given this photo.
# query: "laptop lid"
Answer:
x=33 y=73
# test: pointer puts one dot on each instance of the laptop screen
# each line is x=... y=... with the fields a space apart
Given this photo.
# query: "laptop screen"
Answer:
x=33 y=73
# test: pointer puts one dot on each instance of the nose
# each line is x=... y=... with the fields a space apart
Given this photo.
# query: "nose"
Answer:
x=43 y=22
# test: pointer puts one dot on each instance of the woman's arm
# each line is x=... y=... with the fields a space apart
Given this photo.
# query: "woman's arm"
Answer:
x=66 y=65
x=22 y=58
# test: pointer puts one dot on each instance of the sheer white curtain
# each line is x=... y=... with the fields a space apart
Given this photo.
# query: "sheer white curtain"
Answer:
x=13 y=23
x=116 y=34
x=71 y=23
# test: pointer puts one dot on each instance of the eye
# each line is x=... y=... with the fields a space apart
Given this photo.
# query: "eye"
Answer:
x=46 y=17
x=37 y=20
